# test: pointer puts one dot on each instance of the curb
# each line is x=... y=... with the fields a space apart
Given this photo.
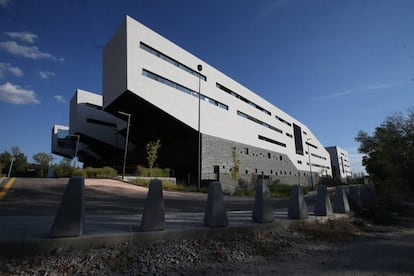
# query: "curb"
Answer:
x=47 y=246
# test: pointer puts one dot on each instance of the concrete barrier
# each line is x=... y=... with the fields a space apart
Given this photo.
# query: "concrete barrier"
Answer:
x=341 y=204
x=70 y=217
x=323 y=206
x=263 y=210
x=354 y=198
x=297 y=204
x=368 y=196
x=153 y=218
x=215 y=214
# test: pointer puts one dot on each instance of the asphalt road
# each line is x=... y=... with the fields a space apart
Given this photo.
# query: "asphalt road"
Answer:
x=41 y=197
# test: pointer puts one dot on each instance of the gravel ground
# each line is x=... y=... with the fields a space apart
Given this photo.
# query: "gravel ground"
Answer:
x=307 y=249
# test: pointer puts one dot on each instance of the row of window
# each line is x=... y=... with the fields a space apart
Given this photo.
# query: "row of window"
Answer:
x=244 y=115
x=311 y=145
x=283 y=120
x=318 y=156
x=272 y=141
x=182 y=88
x=174 y=62
x=277 y=173
x=225 y=89
x=100 y=122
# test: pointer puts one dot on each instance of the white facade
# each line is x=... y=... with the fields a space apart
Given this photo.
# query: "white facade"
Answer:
x=139 y=61
x=340 y=162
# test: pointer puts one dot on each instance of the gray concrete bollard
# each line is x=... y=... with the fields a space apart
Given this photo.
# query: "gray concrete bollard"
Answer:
x=354 y=198
x=323 y=206
x=368 y=196
x=297 y=204
x=341 y=204
x=263 y=210
x=215 y=214
x=153 y=218
x=70 y=217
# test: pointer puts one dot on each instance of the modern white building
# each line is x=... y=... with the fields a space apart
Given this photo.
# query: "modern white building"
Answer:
x=341 y=168
x=171 y=95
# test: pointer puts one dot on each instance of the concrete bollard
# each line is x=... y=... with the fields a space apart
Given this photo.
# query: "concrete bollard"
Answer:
x=368 y=196
x=323 y=206
x=341 y=204
x=215 y=214
x=354 y=198
x=153 y=218
x=70 y=217
x=263 y=210
x=297 y=204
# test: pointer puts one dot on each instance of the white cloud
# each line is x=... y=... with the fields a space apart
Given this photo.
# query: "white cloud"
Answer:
x=15 y=94
x=7 y=67
x=23 y=36
x=60 y=98
x=5 y=3
x=46 y=75
x=371 y=88
x=32 y=52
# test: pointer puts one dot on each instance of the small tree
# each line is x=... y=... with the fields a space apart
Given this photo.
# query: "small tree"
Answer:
x=235 y=170
x=152 y=148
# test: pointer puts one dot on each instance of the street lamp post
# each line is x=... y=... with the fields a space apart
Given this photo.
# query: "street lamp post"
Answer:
x=76 y=150
x=199 y=68
x=11 y=166
x=310 y=164
x=126 y=141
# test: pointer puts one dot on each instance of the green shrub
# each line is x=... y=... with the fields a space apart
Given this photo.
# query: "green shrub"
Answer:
x=89 y=172
x=154 y=172
x=280 y=190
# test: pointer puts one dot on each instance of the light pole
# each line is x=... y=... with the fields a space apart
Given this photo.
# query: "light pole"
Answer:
x=76 y=150
x=199 y=68
x=11 y=166
x=126 y=141
x=310 y=164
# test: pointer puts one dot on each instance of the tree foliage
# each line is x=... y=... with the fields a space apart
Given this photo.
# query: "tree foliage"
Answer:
x=43 y=160
x=152 y=148
x=389 y=151
x=19 y=164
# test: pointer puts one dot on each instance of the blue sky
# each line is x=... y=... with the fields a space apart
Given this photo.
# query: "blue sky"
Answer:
x=337 y=66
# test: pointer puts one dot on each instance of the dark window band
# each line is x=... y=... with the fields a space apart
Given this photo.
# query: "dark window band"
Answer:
x=272 y=141
x=182 y=88
x=168 y=59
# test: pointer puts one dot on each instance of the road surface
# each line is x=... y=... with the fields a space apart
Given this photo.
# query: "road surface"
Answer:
x=41 y=197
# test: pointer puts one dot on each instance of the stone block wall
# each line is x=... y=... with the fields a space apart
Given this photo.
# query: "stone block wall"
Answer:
x=254 y=162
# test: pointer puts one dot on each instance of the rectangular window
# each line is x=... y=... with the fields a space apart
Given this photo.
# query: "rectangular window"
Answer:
x=297 y=132
x=182 y=88
x=246 y=151
x=174 y=62
x=283 y=120
x=271 y=141
x=289 y=135
x=234 y=94
x=99 y=122
x=244 y=115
